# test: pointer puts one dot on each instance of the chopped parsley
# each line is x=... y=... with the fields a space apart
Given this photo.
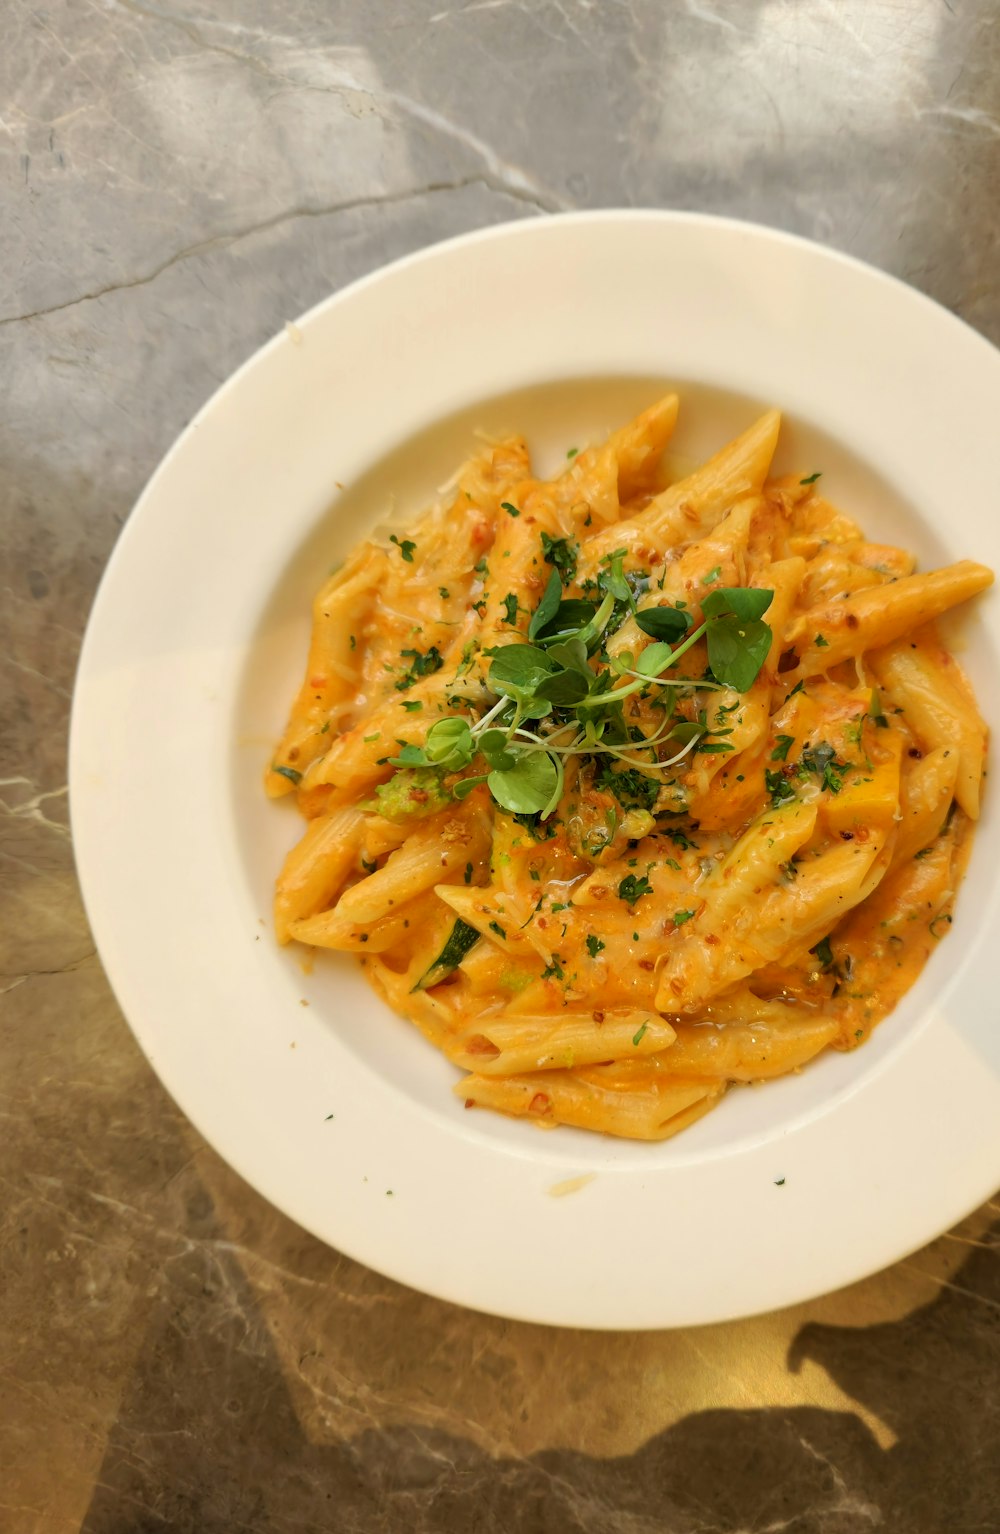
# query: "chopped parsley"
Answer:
x=289 y=773
x=680 y=917
x=412 y=705
x=779 y=788
x=510 y=608
x=561 y=552
x=821 y=643
x=496 y=927
x=405 y=546
x=637 y=1038
x=783 y=743
x=512 y=511
x=811 y=478
x=631 y=888
x=421 y=664
x=594 y=946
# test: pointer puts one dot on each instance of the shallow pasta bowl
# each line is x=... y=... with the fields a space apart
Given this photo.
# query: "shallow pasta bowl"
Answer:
x=336 y=1110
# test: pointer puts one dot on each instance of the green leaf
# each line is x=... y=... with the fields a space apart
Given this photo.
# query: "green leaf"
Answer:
x=410 y=756
x=654 y=659
x=663 y=622
x=406 y=547
x=572 y=614
x=464 y=788
x=680 y=917
x=547 y=607
x=512 y=511
x=743 y=601
x=572 y=655
x=781 y=749
x=449 y=744
x=737 y=648
x=526 y=787
x=535 y=708
x=564 y=688
x=510 y=609
x=461 y=938
x=517 y=669
x=613 y=580
x=594 y=946
x=493 y=744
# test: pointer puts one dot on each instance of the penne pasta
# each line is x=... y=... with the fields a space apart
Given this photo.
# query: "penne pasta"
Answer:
x=623 y=794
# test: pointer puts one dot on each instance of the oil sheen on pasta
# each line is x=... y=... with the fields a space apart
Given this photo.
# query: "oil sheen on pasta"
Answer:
x=761 y=882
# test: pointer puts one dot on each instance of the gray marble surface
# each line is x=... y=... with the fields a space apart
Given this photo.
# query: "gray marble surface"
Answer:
x=177 y=181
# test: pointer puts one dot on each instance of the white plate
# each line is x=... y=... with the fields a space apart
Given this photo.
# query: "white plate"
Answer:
x=191 y=656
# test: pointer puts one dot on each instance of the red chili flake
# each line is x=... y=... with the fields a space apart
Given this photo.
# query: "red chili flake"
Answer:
x=598 y=1016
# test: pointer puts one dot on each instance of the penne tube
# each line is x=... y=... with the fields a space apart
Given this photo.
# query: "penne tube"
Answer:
x=439 y=849
x=653 y=1109
x=317 y=868
x=498 y=1047
x=926 y=685
x=925 y=794
x=826 y=635
x=338 y=611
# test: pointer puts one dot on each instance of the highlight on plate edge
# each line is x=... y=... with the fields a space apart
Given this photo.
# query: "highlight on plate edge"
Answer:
x=625 y=791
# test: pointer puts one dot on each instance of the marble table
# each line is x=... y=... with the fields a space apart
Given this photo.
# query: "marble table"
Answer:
x=180 y=177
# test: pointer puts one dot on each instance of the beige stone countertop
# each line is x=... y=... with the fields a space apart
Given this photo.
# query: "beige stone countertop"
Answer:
x=179 y=178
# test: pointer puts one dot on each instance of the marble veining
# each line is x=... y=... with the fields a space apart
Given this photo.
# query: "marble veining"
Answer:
x=178 y=181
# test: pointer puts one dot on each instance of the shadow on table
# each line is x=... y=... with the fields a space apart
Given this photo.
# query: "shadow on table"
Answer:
x=208 y=1442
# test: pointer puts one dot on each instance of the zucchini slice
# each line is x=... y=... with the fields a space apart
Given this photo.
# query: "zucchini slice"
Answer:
x=462 y=938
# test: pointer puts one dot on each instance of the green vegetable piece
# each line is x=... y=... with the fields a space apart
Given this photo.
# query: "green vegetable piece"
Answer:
x=782 y=747
x=288 y=772
x=461 y=939
x=411 y=794
x=405 y=547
